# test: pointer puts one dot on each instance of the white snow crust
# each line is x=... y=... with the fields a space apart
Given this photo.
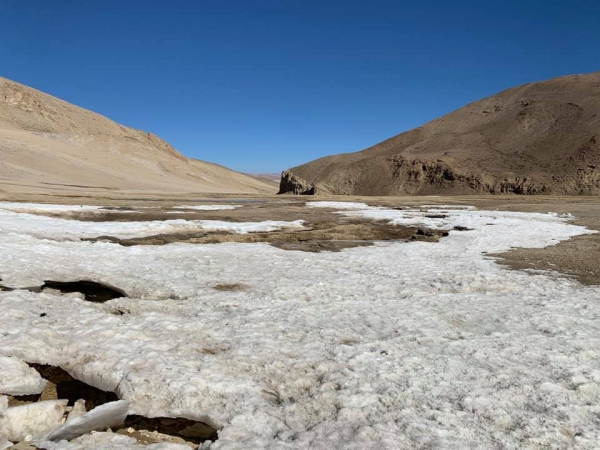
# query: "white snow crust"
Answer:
x=448 y=207
x=338 y=205
x=208 y=207
x=107 y=441
x=43 y=227
x=42 y=207
x=100 y=418
x=394 y=346
x=31 y=421
x=17 y=378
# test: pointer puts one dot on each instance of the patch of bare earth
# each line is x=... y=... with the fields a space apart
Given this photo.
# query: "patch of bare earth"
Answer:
x=321 y=236
x=578 y=257
x=230 y=287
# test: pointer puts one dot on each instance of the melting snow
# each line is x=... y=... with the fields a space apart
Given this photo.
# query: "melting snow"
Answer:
x=338 y=205
x=108 y=441
x=17 y=378
x=104 y=416
x=448 y=206
x=394 y=346
x=64 y=229
x=31 y=421
x=41 y=207
x=209 y=207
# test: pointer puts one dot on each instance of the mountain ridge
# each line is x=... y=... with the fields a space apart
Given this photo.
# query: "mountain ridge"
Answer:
x=46 y=141
x=536 y=138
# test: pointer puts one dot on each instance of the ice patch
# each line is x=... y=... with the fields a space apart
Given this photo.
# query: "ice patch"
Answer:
x=108 y=441
x=41 y=207
x=17 y=378
x=42 y=227
x=105 y=416
x=209 y=207
x=31 y=421
x=395 y=346
x=467 y=207
x=338 y=205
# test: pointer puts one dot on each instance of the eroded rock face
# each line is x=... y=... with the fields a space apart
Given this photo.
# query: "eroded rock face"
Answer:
x=398 y=175
x=413 y=176
x=540 y=138
x=291 y=184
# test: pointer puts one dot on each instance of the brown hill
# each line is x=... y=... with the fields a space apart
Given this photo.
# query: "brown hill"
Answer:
x=540 y=138
x=47 y=143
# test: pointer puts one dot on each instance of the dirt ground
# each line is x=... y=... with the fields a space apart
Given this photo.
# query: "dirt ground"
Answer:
x=328 y=231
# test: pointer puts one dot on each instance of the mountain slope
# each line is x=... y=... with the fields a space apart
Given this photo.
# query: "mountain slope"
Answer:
x=48 y=143
x=540 y=138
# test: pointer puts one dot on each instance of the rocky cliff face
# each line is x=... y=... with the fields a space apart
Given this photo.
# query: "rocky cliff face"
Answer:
x=541 y=138
x=291 y=184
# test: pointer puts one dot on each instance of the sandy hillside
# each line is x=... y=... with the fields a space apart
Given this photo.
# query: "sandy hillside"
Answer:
x=540 y=138
x=47 y=144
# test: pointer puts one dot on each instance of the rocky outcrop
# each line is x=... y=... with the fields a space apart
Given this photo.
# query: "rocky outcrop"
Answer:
x=291 y=184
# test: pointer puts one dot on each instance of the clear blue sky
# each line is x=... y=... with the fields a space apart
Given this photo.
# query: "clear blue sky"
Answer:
x=263 y=85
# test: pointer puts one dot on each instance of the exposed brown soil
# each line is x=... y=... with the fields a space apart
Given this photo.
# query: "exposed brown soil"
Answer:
x=578 y=257
x=539 y=138
x=230 y=287
x=324 y=236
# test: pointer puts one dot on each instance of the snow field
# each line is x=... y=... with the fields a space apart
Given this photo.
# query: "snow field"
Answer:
x=393 y=346
x=42 y=227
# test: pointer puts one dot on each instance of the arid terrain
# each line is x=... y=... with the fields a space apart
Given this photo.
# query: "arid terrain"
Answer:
x=539 y=138
x=155 y=302
x=49 y=145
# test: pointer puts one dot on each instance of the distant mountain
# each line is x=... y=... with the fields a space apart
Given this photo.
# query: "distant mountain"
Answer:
x=540 y=138
x=47 y=143
x=270 y=178
x=267 y=176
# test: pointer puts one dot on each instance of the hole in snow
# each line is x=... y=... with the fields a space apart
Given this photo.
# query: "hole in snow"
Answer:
x=230 y=287
x=461 y=228
x=5 y=288
x=92 y=291
x=189 y=430
x=61 y=385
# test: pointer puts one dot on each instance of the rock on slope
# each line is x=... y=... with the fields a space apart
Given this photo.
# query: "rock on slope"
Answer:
x=540 y=138
x=47 y=143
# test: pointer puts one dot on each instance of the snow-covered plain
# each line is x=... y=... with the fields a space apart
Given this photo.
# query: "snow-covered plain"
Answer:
x=43 y=227
x=338 y=205
x=208 y=207
x=394 y=346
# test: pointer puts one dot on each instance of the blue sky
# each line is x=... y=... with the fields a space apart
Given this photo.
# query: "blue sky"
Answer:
x=263 y=85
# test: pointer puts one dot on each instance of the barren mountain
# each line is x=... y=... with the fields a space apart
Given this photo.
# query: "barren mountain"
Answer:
x=47 y=143
x=540 y=138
